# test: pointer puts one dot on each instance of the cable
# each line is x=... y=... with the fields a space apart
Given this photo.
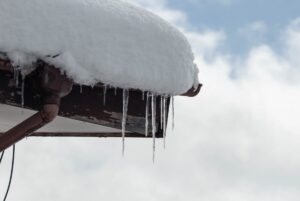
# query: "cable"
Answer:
x=11 y=172
x=1 y=156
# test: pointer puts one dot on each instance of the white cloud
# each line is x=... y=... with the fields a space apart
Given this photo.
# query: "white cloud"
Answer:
x=206 y=43
x=250 y=123
x=238 y=140
x=257 y=26
x=222 y=2
x=292 y=44
x=254 y=32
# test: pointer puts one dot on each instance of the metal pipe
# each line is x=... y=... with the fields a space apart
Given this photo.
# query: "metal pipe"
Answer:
x=33 y=123
x=54 y=86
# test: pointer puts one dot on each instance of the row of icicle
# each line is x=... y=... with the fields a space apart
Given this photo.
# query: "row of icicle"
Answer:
x=149 y=95
x=163 y=114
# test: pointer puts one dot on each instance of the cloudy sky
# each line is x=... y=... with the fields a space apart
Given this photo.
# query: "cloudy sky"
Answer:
x=238 y=140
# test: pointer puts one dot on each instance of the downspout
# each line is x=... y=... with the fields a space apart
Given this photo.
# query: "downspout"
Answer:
x=54 y=86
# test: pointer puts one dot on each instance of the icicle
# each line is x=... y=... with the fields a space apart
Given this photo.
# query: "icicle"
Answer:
x=125 y=109
x=14 y=73
x=173 y=114
x=16 y=76
x=22 y=91
x=161 y=111
x=104 y=94
x=81 y=89
x=147 y=115
x=116 y=91
x=153 y=105
x=165 y=119
x=14 y=69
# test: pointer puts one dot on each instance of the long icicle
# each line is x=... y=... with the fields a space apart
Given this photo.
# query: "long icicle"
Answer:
x=116 y=91
x=147 y=115
x=161 y=111
x=173 y=113
x=81 y=89
x=104 y=94
x=22 y=91
x=153 y=105
x=165 y=119
x=125 y=109
x=16 y=75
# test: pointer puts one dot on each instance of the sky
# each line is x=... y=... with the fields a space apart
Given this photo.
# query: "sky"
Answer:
x=234 y=16
x=238 y=140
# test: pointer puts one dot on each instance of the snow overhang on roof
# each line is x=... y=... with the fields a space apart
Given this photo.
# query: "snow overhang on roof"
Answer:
x=111 y=42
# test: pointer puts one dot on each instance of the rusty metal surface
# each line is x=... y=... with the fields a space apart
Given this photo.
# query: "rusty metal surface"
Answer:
x=84 y=103
x=193 y=91
x=33 y=123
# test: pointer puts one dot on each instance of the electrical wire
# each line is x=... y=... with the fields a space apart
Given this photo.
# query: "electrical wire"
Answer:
x=11 y=171
x=2 y=154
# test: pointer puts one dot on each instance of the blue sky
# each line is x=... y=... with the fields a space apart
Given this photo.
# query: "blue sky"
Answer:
x=232 y=15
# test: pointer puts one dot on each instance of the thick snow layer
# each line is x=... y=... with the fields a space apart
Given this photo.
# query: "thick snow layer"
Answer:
x=107 y=41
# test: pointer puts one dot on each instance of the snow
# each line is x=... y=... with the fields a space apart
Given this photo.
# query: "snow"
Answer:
x=108 y=41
